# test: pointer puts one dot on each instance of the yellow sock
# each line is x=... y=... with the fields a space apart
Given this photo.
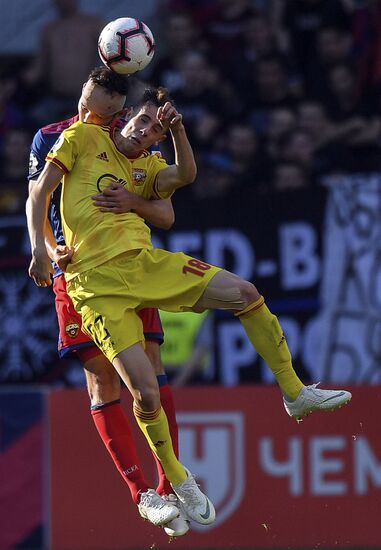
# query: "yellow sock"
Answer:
x=266 y=335
x=154 y=425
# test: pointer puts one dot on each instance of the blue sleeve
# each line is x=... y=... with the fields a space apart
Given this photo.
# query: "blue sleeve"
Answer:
x=38 y=151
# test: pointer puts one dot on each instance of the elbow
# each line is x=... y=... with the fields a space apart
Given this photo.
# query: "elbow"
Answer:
x=191 y=176
x=168 y=222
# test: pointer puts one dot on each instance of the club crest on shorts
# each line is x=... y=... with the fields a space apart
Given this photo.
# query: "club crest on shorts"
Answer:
x=139 y=175
x=212 y=447
x=72 y=329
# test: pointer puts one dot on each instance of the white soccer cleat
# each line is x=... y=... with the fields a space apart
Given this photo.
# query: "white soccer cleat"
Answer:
x=195 y=504
x=180 y=525
x=311 y=398
x=155 y=509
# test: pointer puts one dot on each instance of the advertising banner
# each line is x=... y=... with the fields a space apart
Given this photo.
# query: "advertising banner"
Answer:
x=23 y=522
x=275 y=483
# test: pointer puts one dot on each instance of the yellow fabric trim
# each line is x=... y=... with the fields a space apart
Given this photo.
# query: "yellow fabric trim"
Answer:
x=251 y=307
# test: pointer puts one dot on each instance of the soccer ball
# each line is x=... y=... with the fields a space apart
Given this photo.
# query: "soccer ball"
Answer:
x=126 y=45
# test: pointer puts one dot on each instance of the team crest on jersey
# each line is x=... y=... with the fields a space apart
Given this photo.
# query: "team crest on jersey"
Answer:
x=139 y=175
x=72 y=329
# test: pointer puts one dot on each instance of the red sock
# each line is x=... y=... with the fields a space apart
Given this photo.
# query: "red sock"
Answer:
x=167 y=402
x=112 y=425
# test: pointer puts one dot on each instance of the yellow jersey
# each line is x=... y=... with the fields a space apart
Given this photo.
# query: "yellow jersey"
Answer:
x=90 y=160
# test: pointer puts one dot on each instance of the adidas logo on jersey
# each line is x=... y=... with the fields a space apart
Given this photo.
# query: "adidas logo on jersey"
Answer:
x=102 y=156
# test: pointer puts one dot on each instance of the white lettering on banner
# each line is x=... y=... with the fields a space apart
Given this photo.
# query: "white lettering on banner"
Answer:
x=212 y=446
x=214 y=246
x=292 y=467
x=366 y=470
x=320 y=466
x=189 y=242
x=236 y=351
x=219 y=242
x=232 y=249
x=300 y=264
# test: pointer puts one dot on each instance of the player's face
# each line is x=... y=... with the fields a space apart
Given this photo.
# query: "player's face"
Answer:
x=143 y=129
x=97 y=106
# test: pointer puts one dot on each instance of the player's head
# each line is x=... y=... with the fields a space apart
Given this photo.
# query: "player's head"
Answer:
x=103 y=96
x=143 y=128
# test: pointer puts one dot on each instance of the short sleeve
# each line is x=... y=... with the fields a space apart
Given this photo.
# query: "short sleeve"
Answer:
x=65 y=150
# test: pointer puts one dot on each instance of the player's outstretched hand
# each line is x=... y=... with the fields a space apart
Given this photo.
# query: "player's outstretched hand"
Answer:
x=115 y=198
x=40 y=268
x=62 y=256
x=169 y=117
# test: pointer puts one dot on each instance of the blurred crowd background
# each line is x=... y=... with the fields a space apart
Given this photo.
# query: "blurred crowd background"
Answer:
x=274 y=93
x=277 y=96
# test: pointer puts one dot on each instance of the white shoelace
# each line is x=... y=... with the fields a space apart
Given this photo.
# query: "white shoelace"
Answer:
x=190 y=487
x=151 y=500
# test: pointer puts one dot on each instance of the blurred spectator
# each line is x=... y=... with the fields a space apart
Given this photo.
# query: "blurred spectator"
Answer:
x=375 y=44
x=289 y=176
x=301 y=21
x=14 y=162
x=280 y=121
x=179 y=35
x=345 y=97
x=333 y=46
x=10 y=112
x=297 y=146
x=242 y=160
x=366 y=35
x=202 y=11
x=215 y=177
x=346 y=145
x=225 y=31
x=67 y=53
x=260 y=41
x=203 y=93
x=268 y=88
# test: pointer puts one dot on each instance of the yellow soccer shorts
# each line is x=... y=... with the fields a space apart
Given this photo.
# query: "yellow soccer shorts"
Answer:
x=108 y=296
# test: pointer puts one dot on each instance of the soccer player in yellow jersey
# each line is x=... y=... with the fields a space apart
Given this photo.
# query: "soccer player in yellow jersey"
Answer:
x=115 y=270
x=103 y=98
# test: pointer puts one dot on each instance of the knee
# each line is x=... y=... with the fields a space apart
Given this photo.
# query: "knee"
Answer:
x=249 y=293
x=148 y=398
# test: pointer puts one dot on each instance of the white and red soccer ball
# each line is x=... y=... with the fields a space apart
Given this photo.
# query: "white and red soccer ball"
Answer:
x=126 y=45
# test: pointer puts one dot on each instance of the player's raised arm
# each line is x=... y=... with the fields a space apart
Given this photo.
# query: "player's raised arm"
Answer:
x=40 y=267
x=184 y=170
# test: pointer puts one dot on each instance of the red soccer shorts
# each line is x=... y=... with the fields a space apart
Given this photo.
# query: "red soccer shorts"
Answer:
x=71 y=338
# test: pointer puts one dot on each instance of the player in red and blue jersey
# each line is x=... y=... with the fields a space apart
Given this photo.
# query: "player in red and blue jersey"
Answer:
x=105 y=94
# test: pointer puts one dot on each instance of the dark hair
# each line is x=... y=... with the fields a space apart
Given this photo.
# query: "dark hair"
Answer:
x=111 y=81
x=156 y=96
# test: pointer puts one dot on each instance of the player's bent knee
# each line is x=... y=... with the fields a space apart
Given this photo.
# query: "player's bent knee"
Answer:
x=220 y=298
x=234 y=298
x=249 y=293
